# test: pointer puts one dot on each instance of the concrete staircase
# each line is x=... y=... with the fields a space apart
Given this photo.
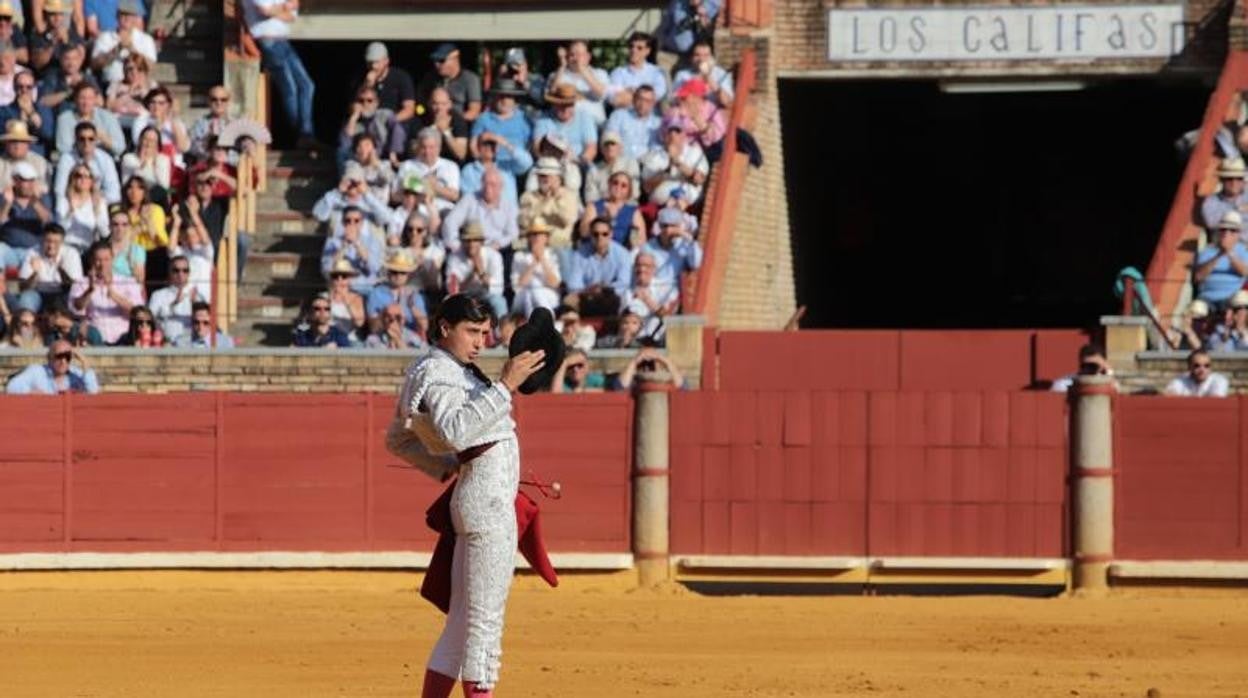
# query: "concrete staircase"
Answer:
x=192 y=59
x=283 y=266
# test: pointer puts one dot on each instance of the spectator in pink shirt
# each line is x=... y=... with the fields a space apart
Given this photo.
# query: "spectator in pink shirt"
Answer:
x=700 y=119
x=102 y=299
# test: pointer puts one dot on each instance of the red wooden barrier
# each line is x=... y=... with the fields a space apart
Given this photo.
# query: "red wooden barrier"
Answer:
x=199 y=471
x=1182 y=485
x=869 y=473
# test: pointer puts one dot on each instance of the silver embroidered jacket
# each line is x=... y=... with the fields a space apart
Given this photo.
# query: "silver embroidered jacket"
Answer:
x=444 y=409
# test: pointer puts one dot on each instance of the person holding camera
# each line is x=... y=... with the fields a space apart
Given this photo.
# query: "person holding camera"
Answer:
x=352 y=192
x=1092 y=362
x=685 y=23
x=660 y=369
x=56 y=376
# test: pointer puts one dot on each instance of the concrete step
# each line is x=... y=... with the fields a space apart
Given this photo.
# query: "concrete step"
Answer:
x=188 y=72
x=268 y=266
x=288 y=243
x=287 y=222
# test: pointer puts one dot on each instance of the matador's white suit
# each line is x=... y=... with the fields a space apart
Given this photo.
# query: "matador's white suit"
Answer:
x=447 y=408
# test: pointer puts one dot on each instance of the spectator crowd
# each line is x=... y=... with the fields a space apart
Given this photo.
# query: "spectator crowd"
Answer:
x=111 y=205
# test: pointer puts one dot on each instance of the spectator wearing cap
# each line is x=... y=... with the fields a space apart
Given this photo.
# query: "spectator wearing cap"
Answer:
x=463 y=85
x=440 y=114
x=1200 y=380
x=378 y=122
x=269 y=22
x=202 y=331
x=415 y=201
x=489 y=147
x=1231 y=196
x=1222 y=267
x=516 y=68
x=101 y=15
x=649 y=298
x=476 y=269
x=441 y=176
x=701 y=64
x=395 y=290
x=10 y=32
x=680 y=202
x=19 y=147
x=58 y=32
x=352 y=192
x=637 y=126
x=701 y=120
x=316 y=328
x=552 y=202
x=627 y=225
x=553 y=145
x=378 y=172
x=87 y=107
x=612 y=160
x=496 y=217
x=103 y=298
x=56 y=85
x=636 y=72
x=674 y=250
x=391 y=333
x=503 y=120
x=677 y=164
x=535 y=276
x=576 y=69
x=356 y=244
x=171 y=305
x=211 y=124
x=576 y=128
x=394 y=86
x=56 y=376
x=23 y=214
x=48 y=270
x=686 y=23
x=111 y=47
x=26 y=109
x=600 y=272
x=9 y=69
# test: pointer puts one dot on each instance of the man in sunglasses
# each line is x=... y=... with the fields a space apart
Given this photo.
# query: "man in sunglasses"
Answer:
x=26 y=109
x=463 y=85
x=87 y=151
x=57 y=375
x=212 y=123
x=172 y=305
x=202 y=330
x=1200 y=380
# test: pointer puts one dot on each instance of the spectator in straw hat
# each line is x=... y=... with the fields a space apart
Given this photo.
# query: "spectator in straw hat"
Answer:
x=101 y=16
x=576 y=128
x=494 y=214
x=1200 y=380
x=1229 y=330
x=552 y=202
x=10 y=32
x=636 y=72
x=395 y=89
x=1222 y=266
x=26 y=108
x=395 y=290
x=58 y=32
x=504 y=120
x=346 y=307
x=638 y=125
x=464 y=86
x=1195 y=325
x=576 y=69
x=415 y=201
x=553 y=145
x=535 y=276
x=19 y=147
x=612 y=160
x=392 y=333
x=112 y=47
x=1231 y=196
x=476 y=269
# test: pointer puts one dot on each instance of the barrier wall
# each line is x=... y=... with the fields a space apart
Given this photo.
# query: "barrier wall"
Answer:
x=895 y=360
x=888 y=473
x=1181 y=489
x=248 y=472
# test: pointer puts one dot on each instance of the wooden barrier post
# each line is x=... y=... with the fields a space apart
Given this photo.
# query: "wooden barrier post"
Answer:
x=1092 y=471
x=650 y=481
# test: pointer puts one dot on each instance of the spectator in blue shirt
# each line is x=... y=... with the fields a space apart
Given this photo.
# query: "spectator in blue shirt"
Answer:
x=684 y=22
x=202 y=330
x=38 y=119
x=318 y=331
x=601 y=272
x=489 y=148
x=636 y=72
x=396 y=290
x=1222 y=267
x=359 y=246
x=575 y=127
x=675 y=251
x=638 y=125
x=56 y=376
x=101 y=15
x=503 y=118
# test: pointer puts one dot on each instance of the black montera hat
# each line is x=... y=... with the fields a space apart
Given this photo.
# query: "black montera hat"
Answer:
x=539 y=333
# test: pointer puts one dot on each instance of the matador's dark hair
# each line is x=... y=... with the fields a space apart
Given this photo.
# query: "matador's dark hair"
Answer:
x=462 y=307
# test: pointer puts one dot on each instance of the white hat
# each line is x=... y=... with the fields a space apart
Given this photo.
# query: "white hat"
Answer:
x=1240 y=299
x=549 y=166
x=1232 y=168
x=376 y=51
x=353 y=172
x=1231 y=220
x=24 y=170
x=1198 y=309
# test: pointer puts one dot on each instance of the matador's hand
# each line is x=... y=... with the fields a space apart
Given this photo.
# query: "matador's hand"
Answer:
x=520 y=367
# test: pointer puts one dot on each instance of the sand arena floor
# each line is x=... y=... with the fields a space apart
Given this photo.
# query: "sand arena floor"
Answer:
x=306 y=635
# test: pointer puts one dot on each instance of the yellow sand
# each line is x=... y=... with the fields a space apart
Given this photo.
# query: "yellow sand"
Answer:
x=306 y=635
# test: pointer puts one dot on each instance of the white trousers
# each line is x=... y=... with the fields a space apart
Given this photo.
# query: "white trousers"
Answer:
x=483 y=512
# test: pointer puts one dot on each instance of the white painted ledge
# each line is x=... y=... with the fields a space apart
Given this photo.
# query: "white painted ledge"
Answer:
x=1179 y=569
x=970 y=563
x=277 y=560
x=774 y=562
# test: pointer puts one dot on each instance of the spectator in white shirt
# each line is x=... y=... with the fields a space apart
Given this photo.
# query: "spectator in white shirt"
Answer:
x=87 y=107
x=171 y=305
x=636 y=72
x=48 y=270
x=678 y=164
x=496 y=216
x=702 y=64
x=1200 y=380
x=477 y=269
x=82 y=211
x=649 y=298
x=535 y=274
x=270 y=21
x=597 y=179
x=441 y=176
x=111 y=48
x=576 y=70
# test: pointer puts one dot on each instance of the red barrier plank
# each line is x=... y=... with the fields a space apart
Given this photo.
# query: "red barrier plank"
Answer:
x=716 y=474
x=797 y=528
x=966 y=475
x=717 y=416
x=798 y=473
x=716 y=528
x=883 y=526
x=686 y=534
x=994 y=469
x=837 y=528
x=883 y=418
x=911 y=482
x=853 y=419
x=855 y=360
x=886 y=479
x=771 y=528
x=945 y=359
x=743 y=419
x=743 y=534
x=770 y=473
x=771 y=418
x=1023 y=419
x=686 y=473
x=938 y=474
x=967 y=419
x=799 y=429
x=685 y=425
x=1021 y=476
x=938 y=418
x=912 y=418
x=744 y=475
x=1057 y=353
x=996 y=416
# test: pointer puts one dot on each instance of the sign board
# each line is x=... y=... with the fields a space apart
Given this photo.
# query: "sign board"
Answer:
x=1005 y=33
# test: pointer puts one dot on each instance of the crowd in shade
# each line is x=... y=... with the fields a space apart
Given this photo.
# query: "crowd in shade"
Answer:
x=577 y=188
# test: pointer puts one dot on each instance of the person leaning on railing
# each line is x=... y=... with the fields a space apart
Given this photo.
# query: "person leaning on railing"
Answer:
x=58 y=375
